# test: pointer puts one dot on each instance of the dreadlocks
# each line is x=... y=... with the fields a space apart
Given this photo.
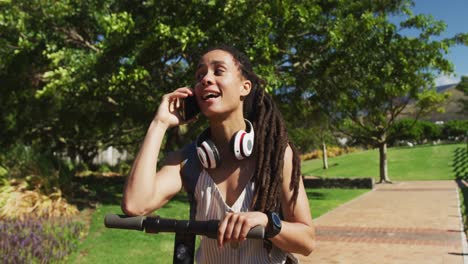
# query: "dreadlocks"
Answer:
x=271 y=139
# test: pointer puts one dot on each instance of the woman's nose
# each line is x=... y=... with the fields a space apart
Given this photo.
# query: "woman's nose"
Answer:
x=207 y=79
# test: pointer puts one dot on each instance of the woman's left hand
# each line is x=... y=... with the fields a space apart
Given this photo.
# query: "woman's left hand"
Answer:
x=235 y=226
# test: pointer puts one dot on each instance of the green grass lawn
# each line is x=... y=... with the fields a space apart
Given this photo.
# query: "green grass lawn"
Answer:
x=322 y=201
x=104 y=245
x=404 y=163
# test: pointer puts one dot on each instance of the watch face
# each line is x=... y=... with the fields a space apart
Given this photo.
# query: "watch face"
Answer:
x=273 y=227
x=276 y=220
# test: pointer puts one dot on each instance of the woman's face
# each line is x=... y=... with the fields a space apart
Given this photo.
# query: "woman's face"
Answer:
x=220 y=84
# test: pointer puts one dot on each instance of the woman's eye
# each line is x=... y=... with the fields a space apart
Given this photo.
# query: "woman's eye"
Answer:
x=219 y=71
x=199 y=76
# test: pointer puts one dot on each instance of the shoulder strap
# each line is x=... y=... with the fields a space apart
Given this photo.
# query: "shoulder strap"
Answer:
x=191 y=169
x=184 y=244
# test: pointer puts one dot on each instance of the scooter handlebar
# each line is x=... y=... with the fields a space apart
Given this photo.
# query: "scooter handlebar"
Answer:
x=156 y=224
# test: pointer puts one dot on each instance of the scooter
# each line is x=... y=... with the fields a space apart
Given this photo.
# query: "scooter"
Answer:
x=183 y=247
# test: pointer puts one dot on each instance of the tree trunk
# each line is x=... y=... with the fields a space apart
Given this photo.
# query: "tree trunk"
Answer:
x=324 y=156
x=383 y=164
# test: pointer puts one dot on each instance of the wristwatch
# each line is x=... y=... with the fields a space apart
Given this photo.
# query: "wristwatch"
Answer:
x=274 y=225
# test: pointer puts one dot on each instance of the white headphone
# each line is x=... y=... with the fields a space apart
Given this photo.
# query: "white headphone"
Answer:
x=242 y=146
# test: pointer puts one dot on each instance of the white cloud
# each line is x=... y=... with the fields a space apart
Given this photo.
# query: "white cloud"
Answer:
x=446 y=79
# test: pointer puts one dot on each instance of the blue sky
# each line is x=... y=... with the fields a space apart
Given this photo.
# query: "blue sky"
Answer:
x=455 y=14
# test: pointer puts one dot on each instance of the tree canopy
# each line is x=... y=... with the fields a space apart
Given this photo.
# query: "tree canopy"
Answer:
x=367 y=71
x=76 y=76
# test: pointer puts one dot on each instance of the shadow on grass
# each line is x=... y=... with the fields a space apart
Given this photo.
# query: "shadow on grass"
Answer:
x=460 y=168
x=460 y=163
x=464 y=203
x=311 y=194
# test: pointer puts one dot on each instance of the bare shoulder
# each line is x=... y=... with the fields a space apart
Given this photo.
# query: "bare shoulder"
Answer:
x=288 y=154
x=295 y=210
x=288 y=164
x=288 y=172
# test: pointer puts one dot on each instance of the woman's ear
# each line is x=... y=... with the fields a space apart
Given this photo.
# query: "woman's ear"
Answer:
x=246 y=87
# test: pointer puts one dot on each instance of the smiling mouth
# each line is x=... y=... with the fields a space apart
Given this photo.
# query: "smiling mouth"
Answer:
x=210 y=95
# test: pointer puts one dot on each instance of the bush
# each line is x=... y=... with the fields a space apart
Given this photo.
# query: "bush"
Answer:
x=35 y=219
x=430 y=130
x=17 y=200
x=455 y=128
x=406 y=129
x=409 y=130
x=38 y=240
x=31 y=184
x=123 y=168
x=27 y=163
x=332 y=151
x=104 y=168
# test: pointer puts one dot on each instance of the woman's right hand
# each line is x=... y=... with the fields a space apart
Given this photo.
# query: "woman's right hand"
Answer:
x=168 y=111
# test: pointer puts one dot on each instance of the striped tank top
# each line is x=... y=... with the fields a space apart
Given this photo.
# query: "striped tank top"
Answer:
x=211 y=205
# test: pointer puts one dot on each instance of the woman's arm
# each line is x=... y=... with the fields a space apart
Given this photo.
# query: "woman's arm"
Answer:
x=297 y=232
x=147 y=190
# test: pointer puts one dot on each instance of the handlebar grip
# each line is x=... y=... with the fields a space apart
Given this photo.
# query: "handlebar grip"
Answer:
x=257 y=232
x=124 y=221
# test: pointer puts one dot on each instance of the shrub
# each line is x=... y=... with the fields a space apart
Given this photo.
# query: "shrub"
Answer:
x=39 y=169
x=38 y=240
x=104 y=168
x=123 y=168
x=18 y=201
x=332 y=151
x=455 y=128
x=311 y=155
x=31 y=183
x=430 y=130
x=406 y=129
x=409 y=130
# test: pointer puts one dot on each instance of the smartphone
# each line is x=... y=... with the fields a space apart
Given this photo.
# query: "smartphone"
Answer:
x=190 y=108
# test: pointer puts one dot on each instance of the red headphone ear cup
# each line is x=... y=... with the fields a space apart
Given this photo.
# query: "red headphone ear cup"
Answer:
x=243 y=142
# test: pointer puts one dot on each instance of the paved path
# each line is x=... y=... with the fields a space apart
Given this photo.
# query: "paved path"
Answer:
x=404 y=222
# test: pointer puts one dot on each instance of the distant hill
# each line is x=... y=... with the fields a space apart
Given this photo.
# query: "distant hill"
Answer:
x=453 y=106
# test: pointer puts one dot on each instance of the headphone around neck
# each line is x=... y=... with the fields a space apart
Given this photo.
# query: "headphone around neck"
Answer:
x=242 y=146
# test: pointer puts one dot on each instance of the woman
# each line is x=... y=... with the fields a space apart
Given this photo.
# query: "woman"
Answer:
x=240 y=190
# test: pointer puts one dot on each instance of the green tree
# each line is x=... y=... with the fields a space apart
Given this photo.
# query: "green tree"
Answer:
x=367 y=71
x=77 y=76
x=463 y=86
